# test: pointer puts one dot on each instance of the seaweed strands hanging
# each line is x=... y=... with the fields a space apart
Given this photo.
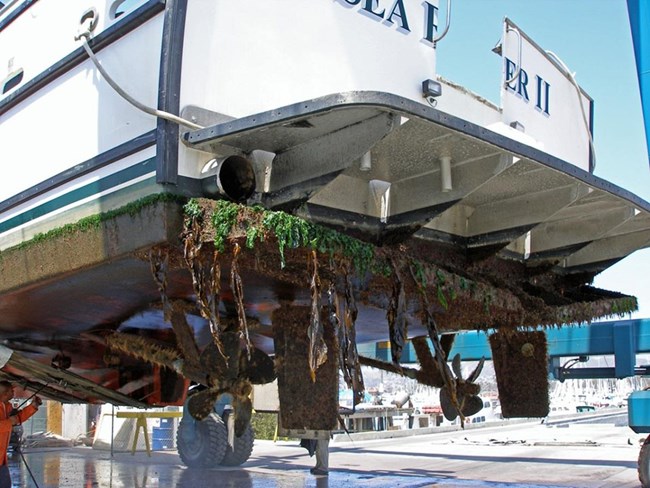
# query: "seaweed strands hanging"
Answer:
x=348 y=353
x=396 y=316
x=226 y=368
x=238 y=295
x=336 y=322
x=206 y=278
x=317 y=347
x=159 y=263
x=174 y=312
x=448 y=379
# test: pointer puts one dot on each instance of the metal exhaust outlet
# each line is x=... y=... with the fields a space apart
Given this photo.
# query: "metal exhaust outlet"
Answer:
x=234 y=179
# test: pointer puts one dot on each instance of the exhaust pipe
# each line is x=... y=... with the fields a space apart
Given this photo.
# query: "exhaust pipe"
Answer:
x=234 y=179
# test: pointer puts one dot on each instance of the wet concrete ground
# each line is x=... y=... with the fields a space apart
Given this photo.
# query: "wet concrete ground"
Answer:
x=524 y=455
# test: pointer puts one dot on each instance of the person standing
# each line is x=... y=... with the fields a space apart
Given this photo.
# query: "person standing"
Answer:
x=8 y=419
x=320 y=447
x=322 y=458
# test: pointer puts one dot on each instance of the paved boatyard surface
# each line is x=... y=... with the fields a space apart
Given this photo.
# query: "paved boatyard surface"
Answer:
x=595 y=453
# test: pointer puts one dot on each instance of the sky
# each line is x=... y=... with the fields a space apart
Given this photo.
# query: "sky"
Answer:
x=593 y=38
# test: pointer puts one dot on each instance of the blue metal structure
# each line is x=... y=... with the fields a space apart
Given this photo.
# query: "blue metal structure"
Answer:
x=621 y=338
x=637 y=411
x=639 y=14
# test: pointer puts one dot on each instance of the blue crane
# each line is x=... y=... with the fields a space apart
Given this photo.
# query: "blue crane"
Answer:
x=621 y=338
x=639 y=14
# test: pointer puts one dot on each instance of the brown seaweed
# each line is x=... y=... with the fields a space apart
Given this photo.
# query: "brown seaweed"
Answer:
x=346 y=331
x=159 y=264
x=238 y=296
x=396 y=316
x=352 y=353
x=317 y=346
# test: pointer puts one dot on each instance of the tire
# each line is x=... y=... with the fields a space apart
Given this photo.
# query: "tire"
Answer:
x=241 y=451
x=644 y=464
x=202 y=444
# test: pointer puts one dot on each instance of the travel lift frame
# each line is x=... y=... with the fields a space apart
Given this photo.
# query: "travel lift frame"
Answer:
x=621 y=338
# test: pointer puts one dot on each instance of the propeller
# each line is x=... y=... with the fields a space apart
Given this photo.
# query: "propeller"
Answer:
x=233 y=374
x=467 y=391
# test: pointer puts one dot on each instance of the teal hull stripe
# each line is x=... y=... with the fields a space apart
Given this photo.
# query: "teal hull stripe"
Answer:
x=123 y=176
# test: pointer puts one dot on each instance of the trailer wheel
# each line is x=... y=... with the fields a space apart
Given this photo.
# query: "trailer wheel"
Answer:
x=202 y=444
x=242 y=449
x=644 y=464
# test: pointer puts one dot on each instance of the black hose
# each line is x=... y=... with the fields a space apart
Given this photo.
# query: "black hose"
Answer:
x=27 y=466
x=20 y=451
x=32 y=396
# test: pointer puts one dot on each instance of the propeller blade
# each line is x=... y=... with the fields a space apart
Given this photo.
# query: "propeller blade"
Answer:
x=259 y=369
x=448 y=408
x=455 y=366
x=477 y=371
x=201 y=404
x=222 y=366
x=447 y=342
x=471 y=405
x=243 y=412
